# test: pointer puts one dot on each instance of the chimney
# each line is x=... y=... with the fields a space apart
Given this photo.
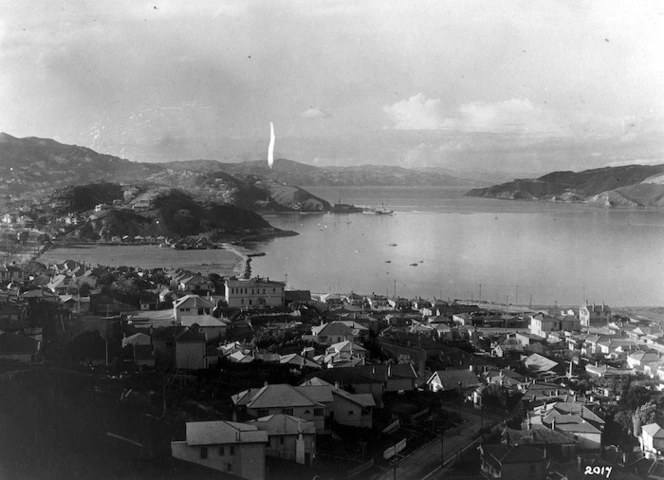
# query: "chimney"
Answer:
x=389 y=370
x=553 y=424
x=336 y=385
x=265 y=384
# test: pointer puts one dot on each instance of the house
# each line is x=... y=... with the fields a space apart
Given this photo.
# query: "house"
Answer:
x=11 y=273
x=190 y=350
x=558 y=445
x=14 y=346
x=208 y=325
x=289 y=438
x=101 y=207
x=191 y=305
x=282 y=399
x=139 y=338
x=538 y=363
x=512 y=461
x=640 y=358
x=149 y=301
x=377 y=302
x=541 y=324
x=331 y=333
x=254 y=293
x=506 y=378
x=297 y=361
x=594 y=315
x=651 y=440
x=352 y=379
x=231 y=447
x=572 y=419
x=448 y=380
x=396 y=378
x=196 y=283
x=345 y=408
x=344 y=351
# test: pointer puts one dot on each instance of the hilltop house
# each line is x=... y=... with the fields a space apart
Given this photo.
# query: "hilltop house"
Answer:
x=196 y=283
x=254 y=293
x=231 y=447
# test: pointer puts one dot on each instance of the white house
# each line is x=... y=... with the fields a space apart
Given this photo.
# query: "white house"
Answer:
x=652 y=440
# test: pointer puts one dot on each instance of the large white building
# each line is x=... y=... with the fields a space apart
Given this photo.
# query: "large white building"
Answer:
x=254 y=293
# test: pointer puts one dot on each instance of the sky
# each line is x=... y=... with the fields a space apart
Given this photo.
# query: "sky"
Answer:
x=511 y=86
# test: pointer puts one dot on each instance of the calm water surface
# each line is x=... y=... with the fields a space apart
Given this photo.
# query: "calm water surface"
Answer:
x=515 y=250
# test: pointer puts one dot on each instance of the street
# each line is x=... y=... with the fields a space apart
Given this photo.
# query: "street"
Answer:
x=425 y=462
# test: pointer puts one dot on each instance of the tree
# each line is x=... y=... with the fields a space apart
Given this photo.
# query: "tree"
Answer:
x=644 y=415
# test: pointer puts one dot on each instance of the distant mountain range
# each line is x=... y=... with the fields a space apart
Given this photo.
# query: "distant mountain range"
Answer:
x=630 y=186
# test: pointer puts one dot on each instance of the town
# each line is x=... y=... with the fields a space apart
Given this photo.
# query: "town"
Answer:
x=172 y=372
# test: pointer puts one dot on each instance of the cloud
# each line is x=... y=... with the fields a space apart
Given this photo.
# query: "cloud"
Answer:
x=416 y=113
x=313 y=112
x=513 y=115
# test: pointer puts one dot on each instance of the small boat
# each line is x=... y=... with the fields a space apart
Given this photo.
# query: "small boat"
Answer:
x=413 y=264
x=393 y=244
x=259 y=254
x=388 y=261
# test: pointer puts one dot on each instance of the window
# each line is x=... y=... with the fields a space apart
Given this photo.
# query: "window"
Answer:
x=204 y=453
x=281 y=440
x=250 y=302
x=365 y=411
x=287 y=411
x=221 y=451
x=242 y=301
x=319 y=412
x=232 y=447
x=351 y=412
x=200 y=311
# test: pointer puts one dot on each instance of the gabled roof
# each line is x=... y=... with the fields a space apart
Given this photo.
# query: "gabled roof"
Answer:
x=654 y=430
x=203 y=321
x=168 y=333
x=346 y=346
x=281 y=424
x=536 y=436
x=450 y=379
x=298 y=360
x=513 y=453
x=223 y=432
x=193 y=301
x=539 y=363
x=332 y=328
x=273 y=396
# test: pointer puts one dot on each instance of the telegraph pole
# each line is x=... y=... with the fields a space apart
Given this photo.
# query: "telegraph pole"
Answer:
x=480 y=300
x=516 y=296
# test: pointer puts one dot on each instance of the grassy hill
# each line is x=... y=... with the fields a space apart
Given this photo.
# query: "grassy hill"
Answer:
x=627 y=186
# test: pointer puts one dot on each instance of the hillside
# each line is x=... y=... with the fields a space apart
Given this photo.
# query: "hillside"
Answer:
x=172 y=213
x=35 y=168
x=295 y=173
x=631 y=186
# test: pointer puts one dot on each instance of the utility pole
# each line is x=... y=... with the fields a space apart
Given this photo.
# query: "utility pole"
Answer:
x=395 y=289
x=516 y=296
x=480 y=300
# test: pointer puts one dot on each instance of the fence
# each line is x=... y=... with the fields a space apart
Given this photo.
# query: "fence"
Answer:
x=392 y=427
x=417 y=415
